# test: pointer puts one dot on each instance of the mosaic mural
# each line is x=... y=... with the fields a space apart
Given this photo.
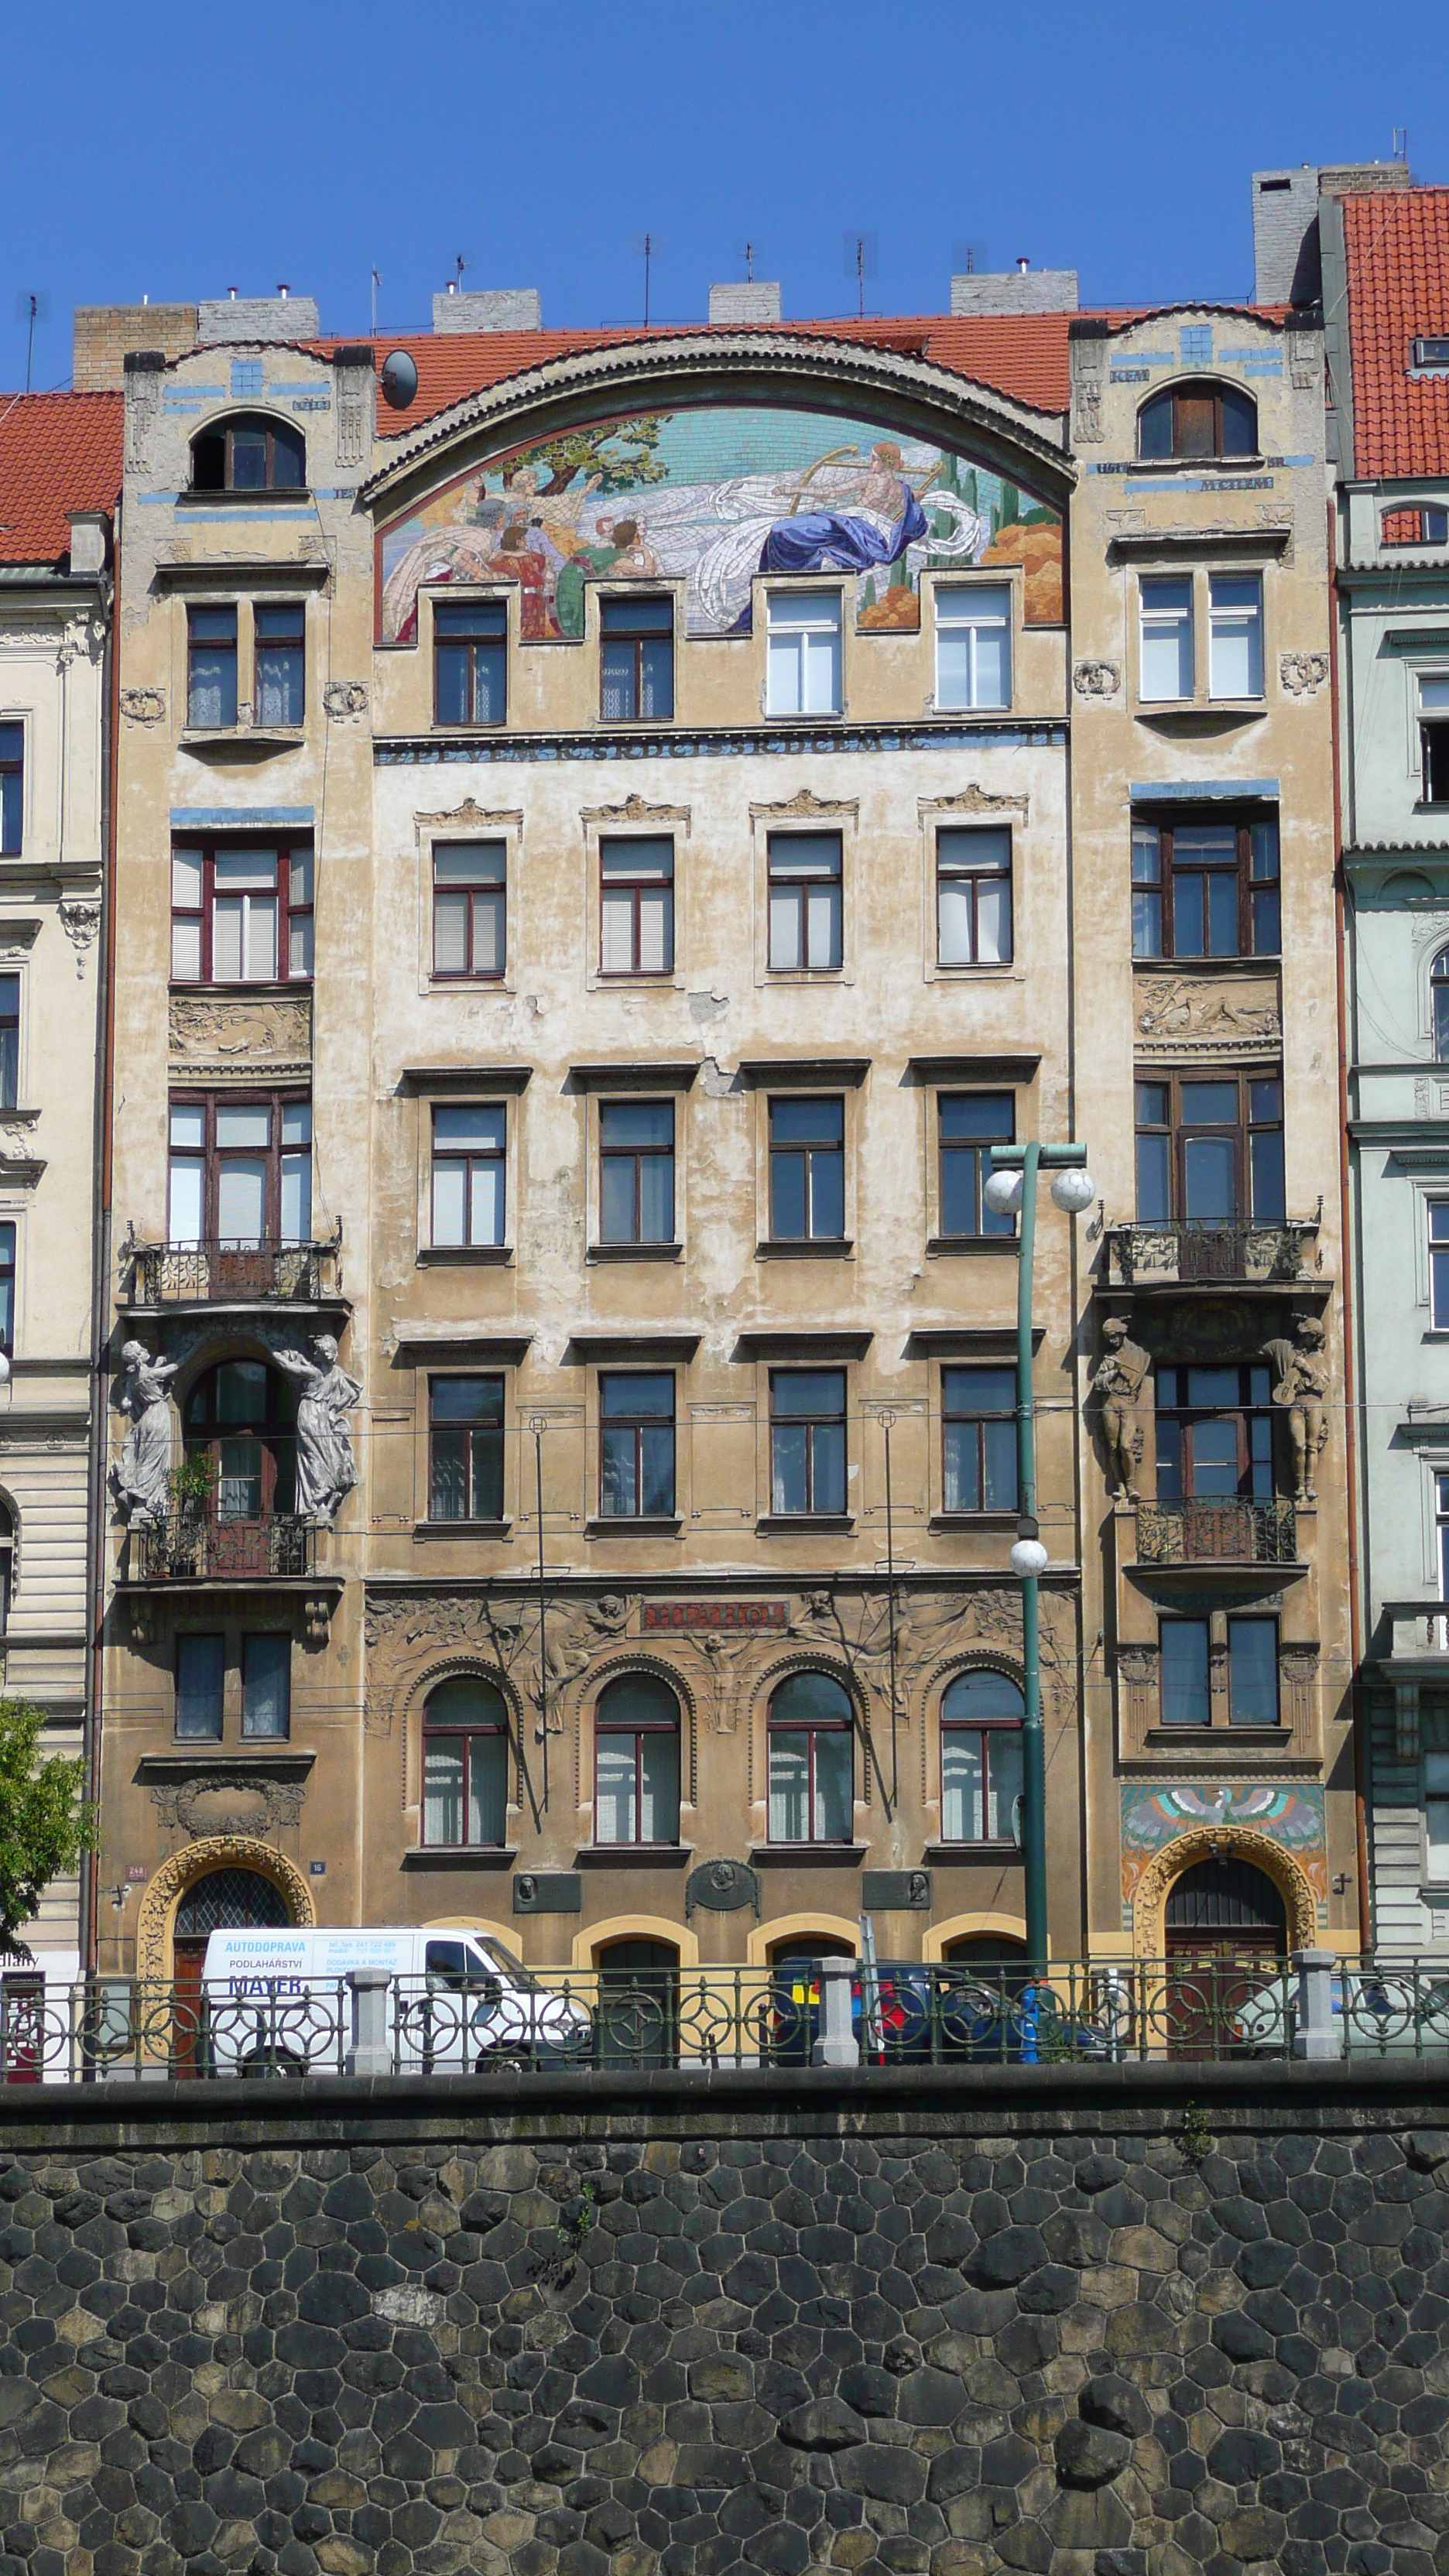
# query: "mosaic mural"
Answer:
x=714 y=497
x=1153 y=1814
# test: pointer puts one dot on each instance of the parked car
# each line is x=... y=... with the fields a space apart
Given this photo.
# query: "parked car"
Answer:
x=278 y=2002
x=905 y=2013
x=1389 y=2014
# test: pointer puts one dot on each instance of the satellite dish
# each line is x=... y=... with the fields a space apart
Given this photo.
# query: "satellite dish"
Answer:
x=399 y=380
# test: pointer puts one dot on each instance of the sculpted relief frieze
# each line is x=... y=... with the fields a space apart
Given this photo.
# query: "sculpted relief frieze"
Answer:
x=240 y=1033
x=1204 y=1014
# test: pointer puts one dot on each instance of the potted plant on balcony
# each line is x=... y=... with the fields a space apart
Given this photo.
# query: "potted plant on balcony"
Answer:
x=191 y=1487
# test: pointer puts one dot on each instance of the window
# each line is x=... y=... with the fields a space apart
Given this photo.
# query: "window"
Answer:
x=1198 y=420
x=981 y=1764
x=805 y=906
x=267 y=1684
x=1252 y=1672
x=804 y=653
x=465 y=1764
x=7 y=1287
x=12 y=789
x=1210 y=1151
x=240 y=1172
x=1434 y=736
x=636 y=1762
x=468 y=1175
x=636 y=907
x=970 y=1123
x=470 y=898
x=7 y=1565
x=1205 y=888
x=281 y=656
x=1441 y=1519
x=1439 y=1267
x=807 y=1440
x=978 y=1440
x=636 y=660
x=973 y=645
x=242 y=1416
x=636 y=1171
x=1431 y=351
x=465 y=1449
x=1422 y=526
x=9 y=1041
x=973 y=898
x=636 y=1445
x=1214 y=1434
x=1436 y=1816
x=807 y=1171
x=470 y=662
x=1166 y=636
x=200 y=1667
x=211 y=686
x=1439 y=1001
x=241 y=916
x=1235 y=635
x=1185 y=1696
x=811 y=1723
x=246 y=455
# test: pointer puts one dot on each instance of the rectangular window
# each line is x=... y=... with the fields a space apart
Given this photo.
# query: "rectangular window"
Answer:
x=978 y=1440
x=465 y=1446
x=807 y=1171
x=211 y=691
x=1235 y=635
x=1214 y=1434
x=200 y=1665
x=1439 y=1267
x=636 y=907
x=1441 y=1515
x=9 y=1041
x=806 y=870
x=267 y=1684
x=981 y=1783
x=636 y=1171
x=470 y=897
x=1185 y=1696
x=807 y=1440
x=973 y=645
x=804 y=653
x=636 y=660
x=1436 y=1817
x=1252 y=1672
x=973 y=898
x=281 y=648
x=1205 y=888
x=12 y=789
x=240 y=916
x=636 y=1444
x=1434 y=737
x=470 y=663
x=970 y=1123
x=1166 y=602
x=240 y=1172
x=1210 y=1150
x=7 y=1286
x=468 y=1174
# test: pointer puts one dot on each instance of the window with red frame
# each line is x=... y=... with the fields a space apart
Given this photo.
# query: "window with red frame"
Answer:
x=241 y=915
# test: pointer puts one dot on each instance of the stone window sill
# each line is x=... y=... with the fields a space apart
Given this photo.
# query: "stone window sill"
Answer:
x=954 y=1247
x=460 y=1856
x=439 y=1255
x=633 y=1855
x=463 y=1529
x=811 y=1524
x=1241 y=1738
x=639 y=1525
x=943 y=1855
x=837 y=1247
x=808 y=1855
x=636 y=1252
x=973 y=1520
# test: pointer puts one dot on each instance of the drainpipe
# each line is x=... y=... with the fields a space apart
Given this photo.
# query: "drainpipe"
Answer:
x=101 y=1253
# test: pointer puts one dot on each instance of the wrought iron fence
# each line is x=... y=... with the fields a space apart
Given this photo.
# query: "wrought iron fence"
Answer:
x=223 y=1273
x=1190 y=1251
x=722 y=2020
x=1248 y=1533
x=192 y=1549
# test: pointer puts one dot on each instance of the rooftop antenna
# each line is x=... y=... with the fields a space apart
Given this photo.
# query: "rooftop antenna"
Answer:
x=860 y=263
x=749 y=263
x=647 y=246
x=970 y=258
x=1401 y=142
x=30 y=309
x=376 y=283
x=459 y=265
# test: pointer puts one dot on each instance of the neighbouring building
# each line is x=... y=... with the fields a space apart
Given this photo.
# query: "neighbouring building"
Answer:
x=60 y=474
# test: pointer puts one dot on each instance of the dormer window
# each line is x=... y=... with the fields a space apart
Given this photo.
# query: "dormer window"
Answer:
x=1414 y=524
x=1431 y=355
x=1198 y=420
x=249 y=454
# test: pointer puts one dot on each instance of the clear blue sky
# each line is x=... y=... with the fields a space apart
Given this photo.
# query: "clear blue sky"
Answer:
x=179 y=150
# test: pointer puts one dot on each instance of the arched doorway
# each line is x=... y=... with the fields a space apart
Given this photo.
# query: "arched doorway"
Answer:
x=992 y=1957
x=792 y=2014
x=638 y=2003
x=1225 y=1926
x=224 y=1900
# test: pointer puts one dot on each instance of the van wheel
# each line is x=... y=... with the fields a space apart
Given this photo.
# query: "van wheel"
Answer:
x=499 y=2061
x=266 y=2062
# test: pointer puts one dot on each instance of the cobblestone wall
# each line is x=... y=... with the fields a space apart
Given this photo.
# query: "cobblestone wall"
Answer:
x=942 y=2327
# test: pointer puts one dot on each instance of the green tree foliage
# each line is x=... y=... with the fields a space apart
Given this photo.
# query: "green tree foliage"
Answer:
x=43 y=1826
x=582 y=451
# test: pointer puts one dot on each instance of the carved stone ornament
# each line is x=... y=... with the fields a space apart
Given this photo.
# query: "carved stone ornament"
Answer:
x=143 y=706
x=345 y=700
x=1305 y=353
x=1089 y=369
x=354 y=398
x=80 y=918
x=807 y=802
x=721 y=1887
x=406 y=1631
x=1205 y=1013
x=976 y=800
x=470 y=817
x=143 y=405
x=228 y=1803
x=235 y=1032
x=1097 y=679
x=635 y=809
x=1302 y=674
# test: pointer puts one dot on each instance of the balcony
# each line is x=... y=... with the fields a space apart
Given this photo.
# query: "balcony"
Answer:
x=188 y=1549
x=167 y=1277
x=1229 y=1532
x=1189 y=1254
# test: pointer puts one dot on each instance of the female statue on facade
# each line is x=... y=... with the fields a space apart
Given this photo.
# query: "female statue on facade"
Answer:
x=326 y=1469
x=140 y=1481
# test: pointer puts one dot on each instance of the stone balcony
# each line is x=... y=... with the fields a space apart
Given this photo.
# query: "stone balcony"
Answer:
x=1189 y=1255
x=170 y=1278
x=1231 y=1532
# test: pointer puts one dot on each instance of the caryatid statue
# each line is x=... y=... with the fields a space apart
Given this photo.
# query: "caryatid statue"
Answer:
x=1301 y=1391
x=1117 y=1385
x=141 y=1478
x=326 y=1469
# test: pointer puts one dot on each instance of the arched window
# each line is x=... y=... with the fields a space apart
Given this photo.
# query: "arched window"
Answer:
x=465 y=1764
x=1225 y=1906
x=1198 y=420
x=636 y=1762
x=242 y=1417
x=1439 y=996
x=981 y=1716
x=249 y=455
x=811 y=1761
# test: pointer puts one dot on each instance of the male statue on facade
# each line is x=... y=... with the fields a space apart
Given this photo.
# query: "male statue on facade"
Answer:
x=326 y=1470
x=1117 y=1386
x=1301 y=1390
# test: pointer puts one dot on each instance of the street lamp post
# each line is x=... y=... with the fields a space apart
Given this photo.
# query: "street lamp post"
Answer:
x=1011 y=1188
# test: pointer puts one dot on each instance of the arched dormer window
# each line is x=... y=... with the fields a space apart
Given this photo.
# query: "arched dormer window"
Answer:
x=1439 y=1003
x=1198 y=420
x=249 y=454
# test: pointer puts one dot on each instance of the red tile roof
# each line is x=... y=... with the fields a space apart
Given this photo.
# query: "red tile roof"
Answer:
x=58 y=452
x=1397 y=243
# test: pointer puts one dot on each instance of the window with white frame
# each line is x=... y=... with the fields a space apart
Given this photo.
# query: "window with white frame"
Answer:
x=241 y=916
x=636 y=906
x=973 y=645
x=1235 y=635
x=804 y=653
x=1436 y=1817
x=973 y=897
x=805 y=870
x=1434 y=736
x=1441 y=1533
x=1439 y=1264
x=469 y=1144
x=1166 y=654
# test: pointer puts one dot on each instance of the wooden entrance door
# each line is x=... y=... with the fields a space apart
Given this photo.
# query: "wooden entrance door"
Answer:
x=1226 y=1933
x=226 y=1900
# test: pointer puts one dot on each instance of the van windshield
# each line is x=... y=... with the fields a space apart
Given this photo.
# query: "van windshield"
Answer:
x=503 y=1958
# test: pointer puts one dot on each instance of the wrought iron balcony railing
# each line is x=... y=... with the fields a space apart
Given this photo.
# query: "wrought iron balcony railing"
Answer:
x=183 y=1549
x=235 y=1274
x=1186 y=1254
x=1240 y=1533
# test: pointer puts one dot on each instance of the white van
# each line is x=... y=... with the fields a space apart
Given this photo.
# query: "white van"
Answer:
x=279 y=2002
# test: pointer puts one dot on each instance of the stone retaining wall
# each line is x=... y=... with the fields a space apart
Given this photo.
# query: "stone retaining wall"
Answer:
x=1083 y=2321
